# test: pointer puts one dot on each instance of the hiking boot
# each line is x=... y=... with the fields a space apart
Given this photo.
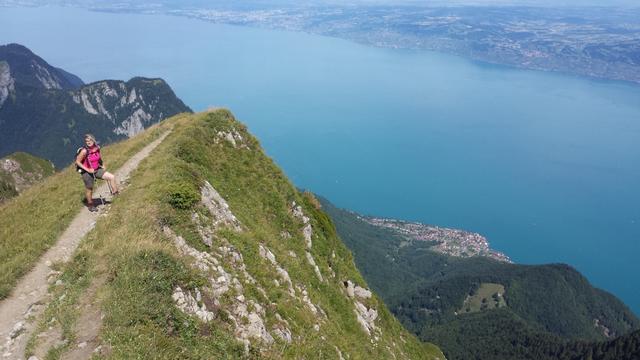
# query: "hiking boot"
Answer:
x=92 y=208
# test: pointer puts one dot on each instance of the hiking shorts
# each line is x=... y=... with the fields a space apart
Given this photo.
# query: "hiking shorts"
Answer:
x=89 y=178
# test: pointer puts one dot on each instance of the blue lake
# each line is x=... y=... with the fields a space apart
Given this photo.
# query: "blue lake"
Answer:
x=546 y=166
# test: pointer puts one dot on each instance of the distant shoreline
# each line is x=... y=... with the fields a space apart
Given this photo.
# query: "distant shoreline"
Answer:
x=456 y=47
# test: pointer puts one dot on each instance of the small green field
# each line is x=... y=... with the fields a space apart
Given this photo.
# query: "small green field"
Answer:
x=488 y=296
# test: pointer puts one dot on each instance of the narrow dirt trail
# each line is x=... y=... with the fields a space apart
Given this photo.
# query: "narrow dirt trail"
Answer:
x=28 y=299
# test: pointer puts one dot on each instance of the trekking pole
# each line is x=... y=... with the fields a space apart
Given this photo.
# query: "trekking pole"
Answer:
x=110 y=188
x=95 y=180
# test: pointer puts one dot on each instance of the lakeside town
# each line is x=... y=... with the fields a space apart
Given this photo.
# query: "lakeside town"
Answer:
x=452 y=242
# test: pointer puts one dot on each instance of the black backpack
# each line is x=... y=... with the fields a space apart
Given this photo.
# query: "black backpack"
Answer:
x=78 y=168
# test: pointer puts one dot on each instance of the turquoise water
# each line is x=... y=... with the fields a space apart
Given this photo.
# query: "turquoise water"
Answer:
x=546 y=166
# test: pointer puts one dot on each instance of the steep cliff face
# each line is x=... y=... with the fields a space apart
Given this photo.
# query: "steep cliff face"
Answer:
x=6 y=82
x=130 y=106
x=45 y=110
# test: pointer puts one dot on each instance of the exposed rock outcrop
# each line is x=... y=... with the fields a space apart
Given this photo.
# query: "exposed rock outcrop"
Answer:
x=366 y=316
x=6 y=82
x=227 y=273
x=189 y=304
x=233 y=137
x=282 y=273
x=307 y=233
x=218 y=208
x=307 y=230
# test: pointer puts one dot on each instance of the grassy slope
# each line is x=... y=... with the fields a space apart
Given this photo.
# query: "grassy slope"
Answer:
x=140 y=266
x=31 y=223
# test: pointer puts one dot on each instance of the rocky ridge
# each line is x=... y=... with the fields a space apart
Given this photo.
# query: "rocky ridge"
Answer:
x=258 y=286
x=122 y=103
x=228 y=276
x=210 y=252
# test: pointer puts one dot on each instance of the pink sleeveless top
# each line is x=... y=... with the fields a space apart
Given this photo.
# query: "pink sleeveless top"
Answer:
x=92 y=160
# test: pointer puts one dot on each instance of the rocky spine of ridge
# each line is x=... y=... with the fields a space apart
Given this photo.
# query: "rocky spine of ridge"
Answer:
x=227 y=273
x=245 y=265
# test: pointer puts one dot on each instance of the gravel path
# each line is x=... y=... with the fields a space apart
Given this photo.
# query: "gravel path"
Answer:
x=29 y=297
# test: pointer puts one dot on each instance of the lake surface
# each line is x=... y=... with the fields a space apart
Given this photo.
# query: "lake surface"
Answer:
x=546 y=166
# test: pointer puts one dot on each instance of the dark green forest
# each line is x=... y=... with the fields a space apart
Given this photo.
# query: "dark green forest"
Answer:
x=551 y=312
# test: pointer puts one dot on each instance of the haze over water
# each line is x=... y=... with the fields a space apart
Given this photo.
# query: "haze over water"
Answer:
x=546 y=166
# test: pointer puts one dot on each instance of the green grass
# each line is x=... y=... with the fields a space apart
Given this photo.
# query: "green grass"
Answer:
x=487 y=296
x=31 y=164
x=30 y=223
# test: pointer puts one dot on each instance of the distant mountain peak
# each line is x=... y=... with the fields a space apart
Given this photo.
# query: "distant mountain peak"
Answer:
x=28 y=69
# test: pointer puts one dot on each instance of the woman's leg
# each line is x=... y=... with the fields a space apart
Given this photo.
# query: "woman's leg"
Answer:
x=89 y=196
x=113 y=182
x=88 y=187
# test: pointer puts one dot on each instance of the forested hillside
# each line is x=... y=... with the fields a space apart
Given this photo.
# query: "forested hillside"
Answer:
x=478 y=307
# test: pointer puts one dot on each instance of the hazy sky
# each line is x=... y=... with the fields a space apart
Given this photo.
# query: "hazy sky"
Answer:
x=269 y=3
x=634 y=3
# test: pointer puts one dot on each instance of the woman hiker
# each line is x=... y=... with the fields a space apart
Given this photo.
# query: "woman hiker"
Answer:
x=89 y=164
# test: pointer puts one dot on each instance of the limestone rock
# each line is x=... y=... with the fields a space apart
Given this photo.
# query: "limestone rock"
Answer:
x=307 y=230
x=312 y=262
x=267 y=254
x=233 y=137
x=362 y=293
x=6 y=82
x=189 y=305
x=366 y=317
x=283 y=333
x=17 y=329
x=219 y=209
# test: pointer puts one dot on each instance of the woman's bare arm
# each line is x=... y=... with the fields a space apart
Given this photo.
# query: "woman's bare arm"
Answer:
x=80 y=159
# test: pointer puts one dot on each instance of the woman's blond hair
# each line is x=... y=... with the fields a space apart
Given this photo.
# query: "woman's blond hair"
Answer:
x=90 y=137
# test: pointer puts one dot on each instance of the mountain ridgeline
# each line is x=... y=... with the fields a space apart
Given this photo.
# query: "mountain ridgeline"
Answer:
x=45 y=110
x=209 y=252
x=480 y=308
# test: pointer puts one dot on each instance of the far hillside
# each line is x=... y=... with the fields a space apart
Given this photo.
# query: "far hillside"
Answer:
x=479 y=307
